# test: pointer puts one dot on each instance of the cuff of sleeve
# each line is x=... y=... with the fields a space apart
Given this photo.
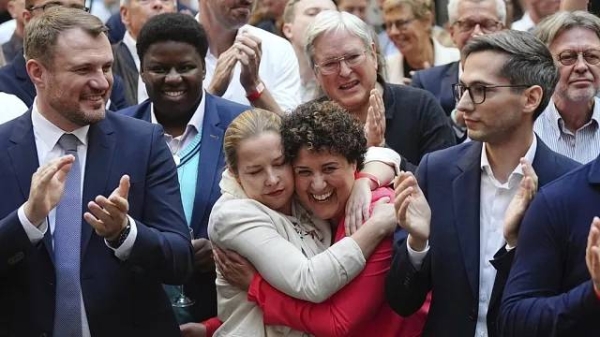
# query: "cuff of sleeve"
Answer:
x=212 y=324
x=385 y=155
x=123 y=252
x=349 y=256
x=509 y=247
x=416 y=258
x=35 y=234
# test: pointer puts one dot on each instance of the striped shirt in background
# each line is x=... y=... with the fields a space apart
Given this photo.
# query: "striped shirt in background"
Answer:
x=582 y=146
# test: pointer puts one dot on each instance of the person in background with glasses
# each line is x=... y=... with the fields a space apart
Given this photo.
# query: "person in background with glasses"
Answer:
x=464 y=210
x=13 y=77
x=570 y=125
x=409 y=24
x=467 y=19
x=341 y=52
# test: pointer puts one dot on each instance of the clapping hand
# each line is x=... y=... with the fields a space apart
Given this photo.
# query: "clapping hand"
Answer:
x=519 y=203
x=375 y=123
x=592 y=253
x=108 y=216
x=47 y=187
x=249 y=54
x=412 y=210
x=224 y=71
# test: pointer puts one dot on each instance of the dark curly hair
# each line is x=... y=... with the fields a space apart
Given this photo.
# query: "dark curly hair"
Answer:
x=323 y=126
x=175 y=27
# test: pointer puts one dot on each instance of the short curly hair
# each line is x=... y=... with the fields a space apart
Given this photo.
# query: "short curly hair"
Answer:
x=175 y=27
x=323 y=126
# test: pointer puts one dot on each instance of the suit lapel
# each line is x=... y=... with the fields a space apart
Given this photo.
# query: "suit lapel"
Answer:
x=101 y=147
x=209 y=168
x=544 y=163
x=24 y=159
x=466 y=196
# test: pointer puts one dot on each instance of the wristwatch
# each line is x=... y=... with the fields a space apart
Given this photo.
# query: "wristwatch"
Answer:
x=121 y=238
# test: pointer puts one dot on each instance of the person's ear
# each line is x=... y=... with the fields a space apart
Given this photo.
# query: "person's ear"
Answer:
x=532 y=98
x=286 y=29
x=36 y=71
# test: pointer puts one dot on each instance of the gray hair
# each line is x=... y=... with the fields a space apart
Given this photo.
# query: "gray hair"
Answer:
x=333 y=21
x=552 y=26
x=529 y=61
x=453 y=9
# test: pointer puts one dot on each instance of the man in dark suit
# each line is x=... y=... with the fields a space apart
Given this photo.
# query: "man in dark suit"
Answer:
x=467 y=18
x=554 y=285
x=13 y=76
x=91 y=221
x=172 y=48
x=134 y=15
x=469 y=188
x=407 y=120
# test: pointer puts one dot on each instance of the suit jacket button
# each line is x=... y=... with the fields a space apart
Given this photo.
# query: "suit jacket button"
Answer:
x=473 y=315
x=43 y=334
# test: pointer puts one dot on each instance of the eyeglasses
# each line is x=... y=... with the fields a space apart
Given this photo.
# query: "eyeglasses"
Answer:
x=570 y=57
x=399 y=24
x=487 y=25
x=477 y=91
x=332 y=66
x=53 y=4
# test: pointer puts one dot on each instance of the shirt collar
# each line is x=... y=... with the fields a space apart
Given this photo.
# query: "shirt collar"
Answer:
x=194 y=123
x=529 y=155
x=552 y=114
x=130 y=43
x=50 y=133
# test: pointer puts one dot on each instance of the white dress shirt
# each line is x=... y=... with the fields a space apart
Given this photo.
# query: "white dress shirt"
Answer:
x=129 y=42
x=46 y=141
x=582 y=146
x=494 y=199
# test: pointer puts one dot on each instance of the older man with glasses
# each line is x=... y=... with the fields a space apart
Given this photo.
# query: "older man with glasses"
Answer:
x=463 y=214
x=467 y=18
x=570 y=125
x=13 y=77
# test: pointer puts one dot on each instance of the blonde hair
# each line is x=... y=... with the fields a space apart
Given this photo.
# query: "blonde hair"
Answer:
x=419 y=8
x=248 y=124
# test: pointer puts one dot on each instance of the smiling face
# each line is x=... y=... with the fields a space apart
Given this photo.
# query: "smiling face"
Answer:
x=351 y=85
x=501 y=114
x=73 y=88
x=263 y=173
x=173 y=73
x=323 y=182
x=578 y=82
x=406 y=31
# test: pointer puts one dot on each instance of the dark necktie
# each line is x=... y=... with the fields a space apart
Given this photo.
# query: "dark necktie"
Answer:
x=67 y=248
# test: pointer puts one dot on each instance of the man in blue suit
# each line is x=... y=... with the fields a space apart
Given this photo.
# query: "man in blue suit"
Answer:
x=454 y=248
x=13 y=76
x=172 y=48
x=467 y=18
x=68 y=160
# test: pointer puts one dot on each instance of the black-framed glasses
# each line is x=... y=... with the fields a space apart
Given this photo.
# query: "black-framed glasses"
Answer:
x=477 y=92
x=486 y=25
x=570 y=57
x=399 y=24
x=332 y=66
x=53 y=4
